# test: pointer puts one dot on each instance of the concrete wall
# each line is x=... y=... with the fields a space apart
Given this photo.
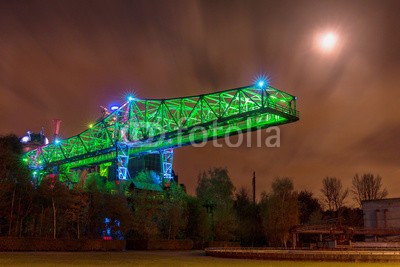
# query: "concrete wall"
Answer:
x=382 y=213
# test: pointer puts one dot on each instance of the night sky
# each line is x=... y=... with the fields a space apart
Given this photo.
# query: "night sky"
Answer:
x=63 y=59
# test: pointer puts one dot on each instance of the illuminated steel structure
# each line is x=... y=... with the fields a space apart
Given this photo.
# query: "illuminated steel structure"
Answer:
x=143 y=126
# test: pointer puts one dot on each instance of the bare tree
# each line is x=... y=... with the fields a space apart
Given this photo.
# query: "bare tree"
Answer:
x=333 y=193
x=367 y=187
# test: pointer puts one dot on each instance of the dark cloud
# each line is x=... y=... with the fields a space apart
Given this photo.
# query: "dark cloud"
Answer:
x=381 y=146
x=63 y=59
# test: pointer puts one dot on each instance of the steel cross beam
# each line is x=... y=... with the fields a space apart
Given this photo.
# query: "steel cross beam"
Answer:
x=148 y=125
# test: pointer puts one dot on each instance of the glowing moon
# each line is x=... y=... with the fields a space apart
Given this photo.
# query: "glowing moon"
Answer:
x=328 y=41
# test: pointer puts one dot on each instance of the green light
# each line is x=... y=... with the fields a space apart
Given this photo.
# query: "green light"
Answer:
x=134 y=123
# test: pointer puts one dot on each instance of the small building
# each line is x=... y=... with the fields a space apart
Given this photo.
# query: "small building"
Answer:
x=381 y=213
x=383 y=217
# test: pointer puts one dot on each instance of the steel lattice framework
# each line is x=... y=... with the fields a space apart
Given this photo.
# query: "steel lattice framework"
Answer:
x=143 y=126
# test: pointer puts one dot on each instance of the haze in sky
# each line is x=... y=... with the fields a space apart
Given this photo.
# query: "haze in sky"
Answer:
x=63 y=59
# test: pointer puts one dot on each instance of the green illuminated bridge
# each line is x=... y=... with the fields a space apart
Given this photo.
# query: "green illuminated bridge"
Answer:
x=156 y=126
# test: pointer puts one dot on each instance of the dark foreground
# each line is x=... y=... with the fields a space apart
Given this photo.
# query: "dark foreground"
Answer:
x=148 y=258
x=350 y=255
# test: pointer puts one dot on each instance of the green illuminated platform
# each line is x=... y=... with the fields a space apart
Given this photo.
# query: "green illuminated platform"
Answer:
x=143 y=126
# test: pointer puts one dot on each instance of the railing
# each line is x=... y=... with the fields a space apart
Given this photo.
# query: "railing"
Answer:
x=140 y=121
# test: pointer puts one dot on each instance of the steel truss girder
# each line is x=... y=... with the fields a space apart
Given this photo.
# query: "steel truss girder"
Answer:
x=146 y=125
x=122 y=161
x=167 y=156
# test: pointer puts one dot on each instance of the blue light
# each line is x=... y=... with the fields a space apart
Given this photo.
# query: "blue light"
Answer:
x=130 y=98
x=57 y=141
x=261 y=81
x=114 y=107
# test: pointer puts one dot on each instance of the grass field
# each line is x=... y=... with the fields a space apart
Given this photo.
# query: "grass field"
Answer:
x=149 y=258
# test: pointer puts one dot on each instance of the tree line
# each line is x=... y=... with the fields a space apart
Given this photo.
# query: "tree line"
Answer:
x=217 y=212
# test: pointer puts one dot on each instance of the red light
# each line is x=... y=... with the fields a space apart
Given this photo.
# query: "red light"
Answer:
x=107 y=238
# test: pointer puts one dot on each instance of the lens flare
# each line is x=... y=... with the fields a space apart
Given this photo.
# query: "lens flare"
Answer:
x=261 y=81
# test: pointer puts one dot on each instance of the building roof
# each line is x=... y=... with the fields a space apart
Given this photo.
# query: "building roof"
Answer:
x=381 y=200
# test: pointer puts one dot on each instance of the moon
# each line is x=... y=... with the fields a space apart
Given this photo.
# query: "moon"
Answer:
x=327 y=42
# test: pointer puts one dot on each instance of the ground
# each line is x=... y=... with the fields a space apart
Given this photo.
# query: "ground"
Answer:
x=147 y=258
